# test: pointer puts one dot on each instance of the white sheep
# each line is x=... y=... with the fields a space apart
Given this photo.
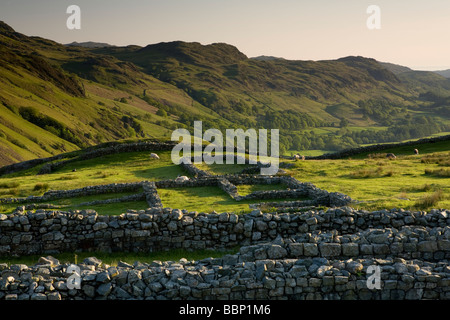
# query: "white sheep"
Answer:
x=181 y=178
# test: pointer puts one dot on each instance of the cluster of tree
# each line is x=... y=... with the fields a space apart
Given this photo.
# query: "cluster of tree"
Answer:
x=435 y=96
x=133 y=127
x=440 y=102
x=288 y=120
x=295 y=127
x=381 y=110
x=309 y=140
x=50 y=124
x=417 y=127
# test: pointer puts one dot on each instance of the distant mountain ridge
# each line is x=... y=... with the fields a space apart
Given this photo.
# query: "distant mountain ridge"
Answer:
x=395 y=68
x=89 y=44
x=444 y=73
x=267 y=58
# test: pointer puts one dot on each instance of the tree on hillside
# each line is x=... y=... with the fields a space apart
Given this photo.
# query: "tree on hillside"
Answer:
x=343 y=123
x=161 y=113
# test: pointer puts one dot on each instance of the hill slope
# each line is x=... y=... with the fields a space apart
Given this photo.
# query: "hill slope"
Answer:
x=56 y=98
x=297 y=96
x=444 y=73
x=226 y=81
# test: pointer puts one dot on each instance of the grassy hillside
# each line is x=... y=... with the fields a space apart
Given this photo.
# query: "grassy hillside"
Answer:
x=56 y=98
x=239 y=88
x=298 y=97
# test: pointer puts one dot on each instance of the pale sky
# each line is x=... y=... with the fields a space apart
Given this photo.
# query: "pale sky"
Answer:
x=414 y=33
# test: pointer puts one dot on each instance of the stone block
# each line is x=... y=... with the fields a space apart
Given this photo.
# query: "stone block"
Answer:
x=310 y=249
x=350 y=249
x=330 y=249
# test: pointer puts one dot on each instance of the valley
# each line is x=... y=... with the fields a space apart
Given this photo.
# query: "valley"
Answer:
x=88 y=182
x=96 y=93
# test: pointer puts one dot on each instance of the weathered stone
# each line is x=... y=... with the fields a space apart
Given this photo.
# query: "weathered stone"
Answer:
x=121 y=294
x=104 y=289
x=54 y=296
x=92 y=261
x=310 y=249
x=269 y=283
x=443 y=245
x=427 y=246
x=322 y=270
x=261 y=225
x=248 y=225
x=380 y=249
x=330 y=249
x=103 y=277
x=256 y=236
x=414 y=294
x=99 y=226
x=38 y=296
x=6 y=224
x=315 y=282
x=48 y=260
x=223 y=217
x=276 y=252
x=296 y=249
x=354 y=267
x=401 y=268
x=172 y=226
x=350 y=249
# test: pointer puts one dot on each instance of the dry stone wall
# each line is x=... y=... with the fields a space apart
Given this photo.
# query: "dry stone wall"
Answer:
x=287 y=256
x=411 y=234
x=377 y=148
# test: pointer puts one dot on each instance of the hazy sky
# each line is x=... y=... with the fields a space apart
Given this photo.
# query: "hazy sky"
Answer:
x=414 y=33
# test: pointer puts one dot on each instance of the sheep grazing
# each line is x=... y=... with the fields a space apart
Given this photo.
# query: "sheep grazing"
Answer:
x=181 y=178
x=391 y=156
x=416 y=151
x=299 y=157
x=154 y=156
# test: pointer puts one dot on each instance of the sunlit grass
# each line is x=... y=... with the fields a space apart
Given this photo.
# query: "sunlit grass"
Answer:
x=116 y=168
x=375 y=184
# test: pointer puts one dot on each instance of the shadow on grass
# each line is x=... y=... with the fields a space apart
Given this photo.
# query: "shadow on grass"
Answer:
x=113 y=160
x=207 y=199
x=112 y=258
x=160 y=173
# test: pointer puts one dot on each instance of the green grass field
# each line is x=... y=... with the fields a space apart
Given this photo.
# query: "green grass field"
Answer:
x=380 y=183
x=373 y=183
x=410 y=182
